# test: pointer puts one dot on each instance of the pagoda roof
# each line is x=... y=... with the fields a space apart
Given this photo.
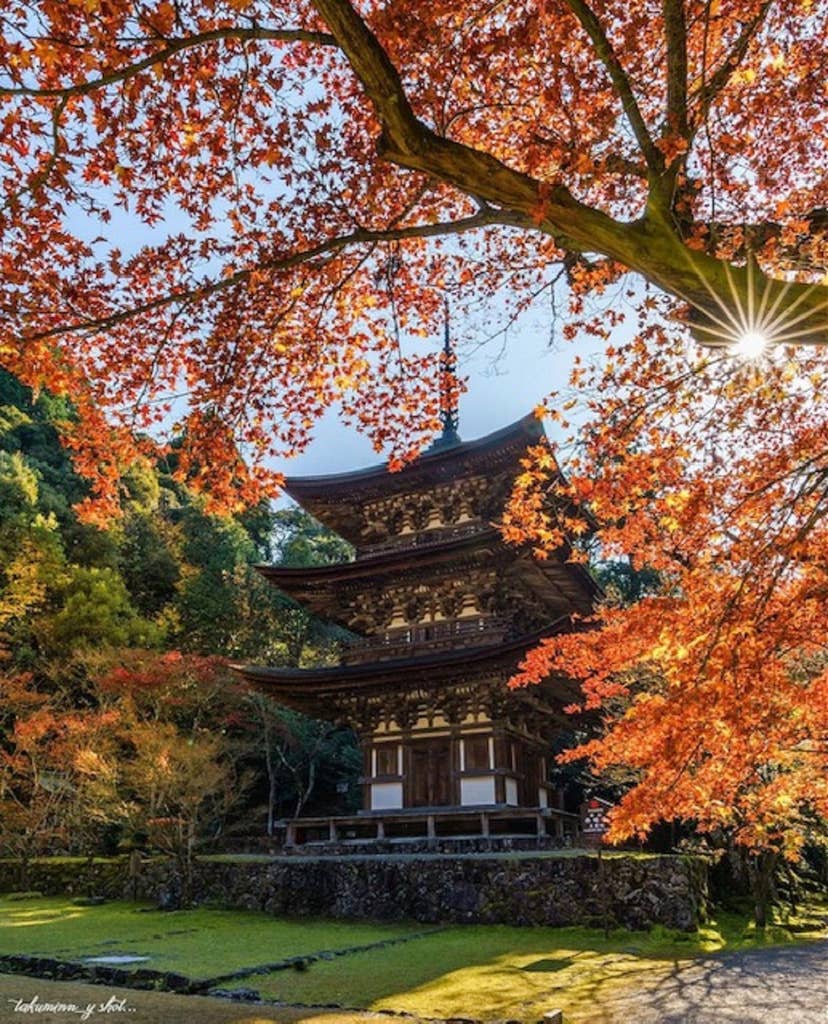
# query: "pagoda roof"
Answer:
x=293 y=579
x=557 y=583
x=331 y=496
x=314 y=689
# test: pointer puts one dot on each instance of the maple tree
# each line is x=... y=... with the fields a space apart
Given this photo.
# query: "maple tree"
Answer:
x=712 y=687
x=56 y=772
x=313 y=179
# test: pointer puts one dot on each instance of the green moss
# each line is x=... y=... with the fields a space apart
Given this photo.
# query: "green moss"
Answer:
x=199 y=943
x=488 y=972
x=496 y=972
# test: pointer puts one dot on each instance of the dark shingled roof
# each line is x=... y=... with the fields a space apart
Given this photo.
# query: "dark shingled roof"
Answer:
x=332 y=498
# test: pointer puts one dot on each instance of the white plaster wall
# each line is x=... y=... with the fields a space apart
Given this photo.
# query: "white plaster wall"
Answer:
x=511 y=792
x=477 y=790
x=386 y=796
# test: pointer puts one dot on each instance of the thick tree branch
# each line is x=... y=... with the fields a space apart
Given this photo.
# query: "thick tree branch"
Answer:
x=716 y=291
x=378 y=76
x=675 y=32
x=173 y=47
x=484 y=218
x=410 y=143
x=620 y=81
x=704 y=97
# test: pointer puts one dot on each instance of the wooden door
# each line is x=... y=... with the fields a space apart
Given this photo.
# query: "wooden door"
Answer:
x=430 y=783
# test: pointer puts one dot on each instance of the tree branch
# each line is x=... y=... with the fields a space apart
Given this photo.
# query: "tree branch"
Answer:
x=410 y=143
x=42 y=175
x=714 y=289
x=379 y=77
x=707 y=93
x=483 y=218
x=620 y=81
x=173 y=47
x=675 y=33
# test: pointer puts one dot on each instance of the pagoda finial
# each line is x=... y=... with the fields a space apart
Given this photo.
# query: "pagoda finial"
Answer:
x=449 y=413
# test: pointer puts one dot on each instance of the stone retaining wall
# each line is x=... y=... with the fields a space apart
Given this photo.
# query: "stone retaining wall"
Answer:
x=518 y=889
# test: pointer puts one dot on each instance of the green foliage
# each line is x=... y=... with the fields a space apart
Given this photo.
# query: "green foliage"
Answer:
x=95 y=610
x=29 y=429
x=623 y=583
x=76 y=600
x=18 y=487
x=147 y=563
x=301 y=540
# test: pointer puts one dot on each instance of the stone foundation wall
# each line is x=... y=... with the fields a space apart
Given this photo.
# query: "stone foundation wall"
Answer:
x=518 y=889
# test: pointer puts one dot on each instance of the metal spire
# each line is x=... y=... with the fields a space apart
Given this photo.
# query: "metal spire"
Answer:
x=449 y=413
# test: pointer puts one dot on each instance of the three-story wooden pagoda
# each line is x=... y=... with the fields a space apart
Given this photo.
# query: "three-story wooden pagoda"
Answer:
x=440 y=611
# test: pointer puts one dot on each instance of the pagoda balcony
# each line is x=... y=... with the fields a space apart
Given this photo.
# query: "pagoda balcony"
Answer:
x=434 y=829
x=429 y=638
x=423 y=538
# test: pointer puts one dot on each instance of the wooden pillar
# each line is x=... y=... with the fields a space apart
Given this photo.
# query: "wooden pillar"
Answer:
x=333 y=835
x=380 y=829
x=290 y=835
x=408 y=778
x=484 y=825
x=456 y=784
x=540 y=822
x=367 y=770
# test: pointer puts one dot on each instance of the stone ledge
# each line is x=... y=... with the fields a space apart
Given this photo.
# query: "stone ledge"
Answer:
x=517 y=889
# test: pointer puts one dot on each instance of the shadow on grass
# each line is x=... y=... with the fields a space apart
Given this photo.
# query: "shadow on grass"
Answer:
x=477 y=971
x=492 y=972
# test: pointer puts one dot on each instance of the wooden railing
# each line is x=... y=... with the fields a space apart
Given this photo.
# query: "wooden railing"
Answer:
x=425 y=637
x=433 y=824
x=422 y=538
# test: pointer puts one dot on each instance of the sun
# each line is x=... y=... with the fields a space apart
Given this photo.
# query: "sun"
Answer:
x=750 y=345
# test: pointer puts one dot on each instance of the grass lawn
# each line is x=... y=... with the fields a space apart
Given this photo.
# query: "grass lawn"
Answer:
x=489 y=972
x=199 y=943
x=496 y=972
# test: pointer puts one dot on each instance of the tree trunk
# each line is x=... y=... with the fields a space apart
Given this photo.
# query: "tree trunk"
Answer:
x=760 y=869
x=271 y=800
x=23 y=874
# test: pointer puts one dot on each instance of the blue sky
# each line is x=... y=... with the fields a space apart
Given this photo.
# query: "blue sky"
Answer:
x=526 y=371
x=506 y=378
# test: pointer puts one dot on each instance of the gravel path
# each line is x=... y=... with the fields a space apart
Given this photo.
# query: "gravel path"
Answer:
x=784 y=985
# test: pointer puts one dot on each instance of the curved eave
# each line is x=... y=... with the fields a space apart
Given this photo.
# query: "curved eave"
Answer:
x=302 y=579
x=308 y=488
x=315 y=683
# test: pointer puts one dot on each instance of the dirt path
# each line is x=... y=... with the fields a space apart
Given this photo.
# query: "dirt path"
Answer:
x=130 y=1006
x=781 y=985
